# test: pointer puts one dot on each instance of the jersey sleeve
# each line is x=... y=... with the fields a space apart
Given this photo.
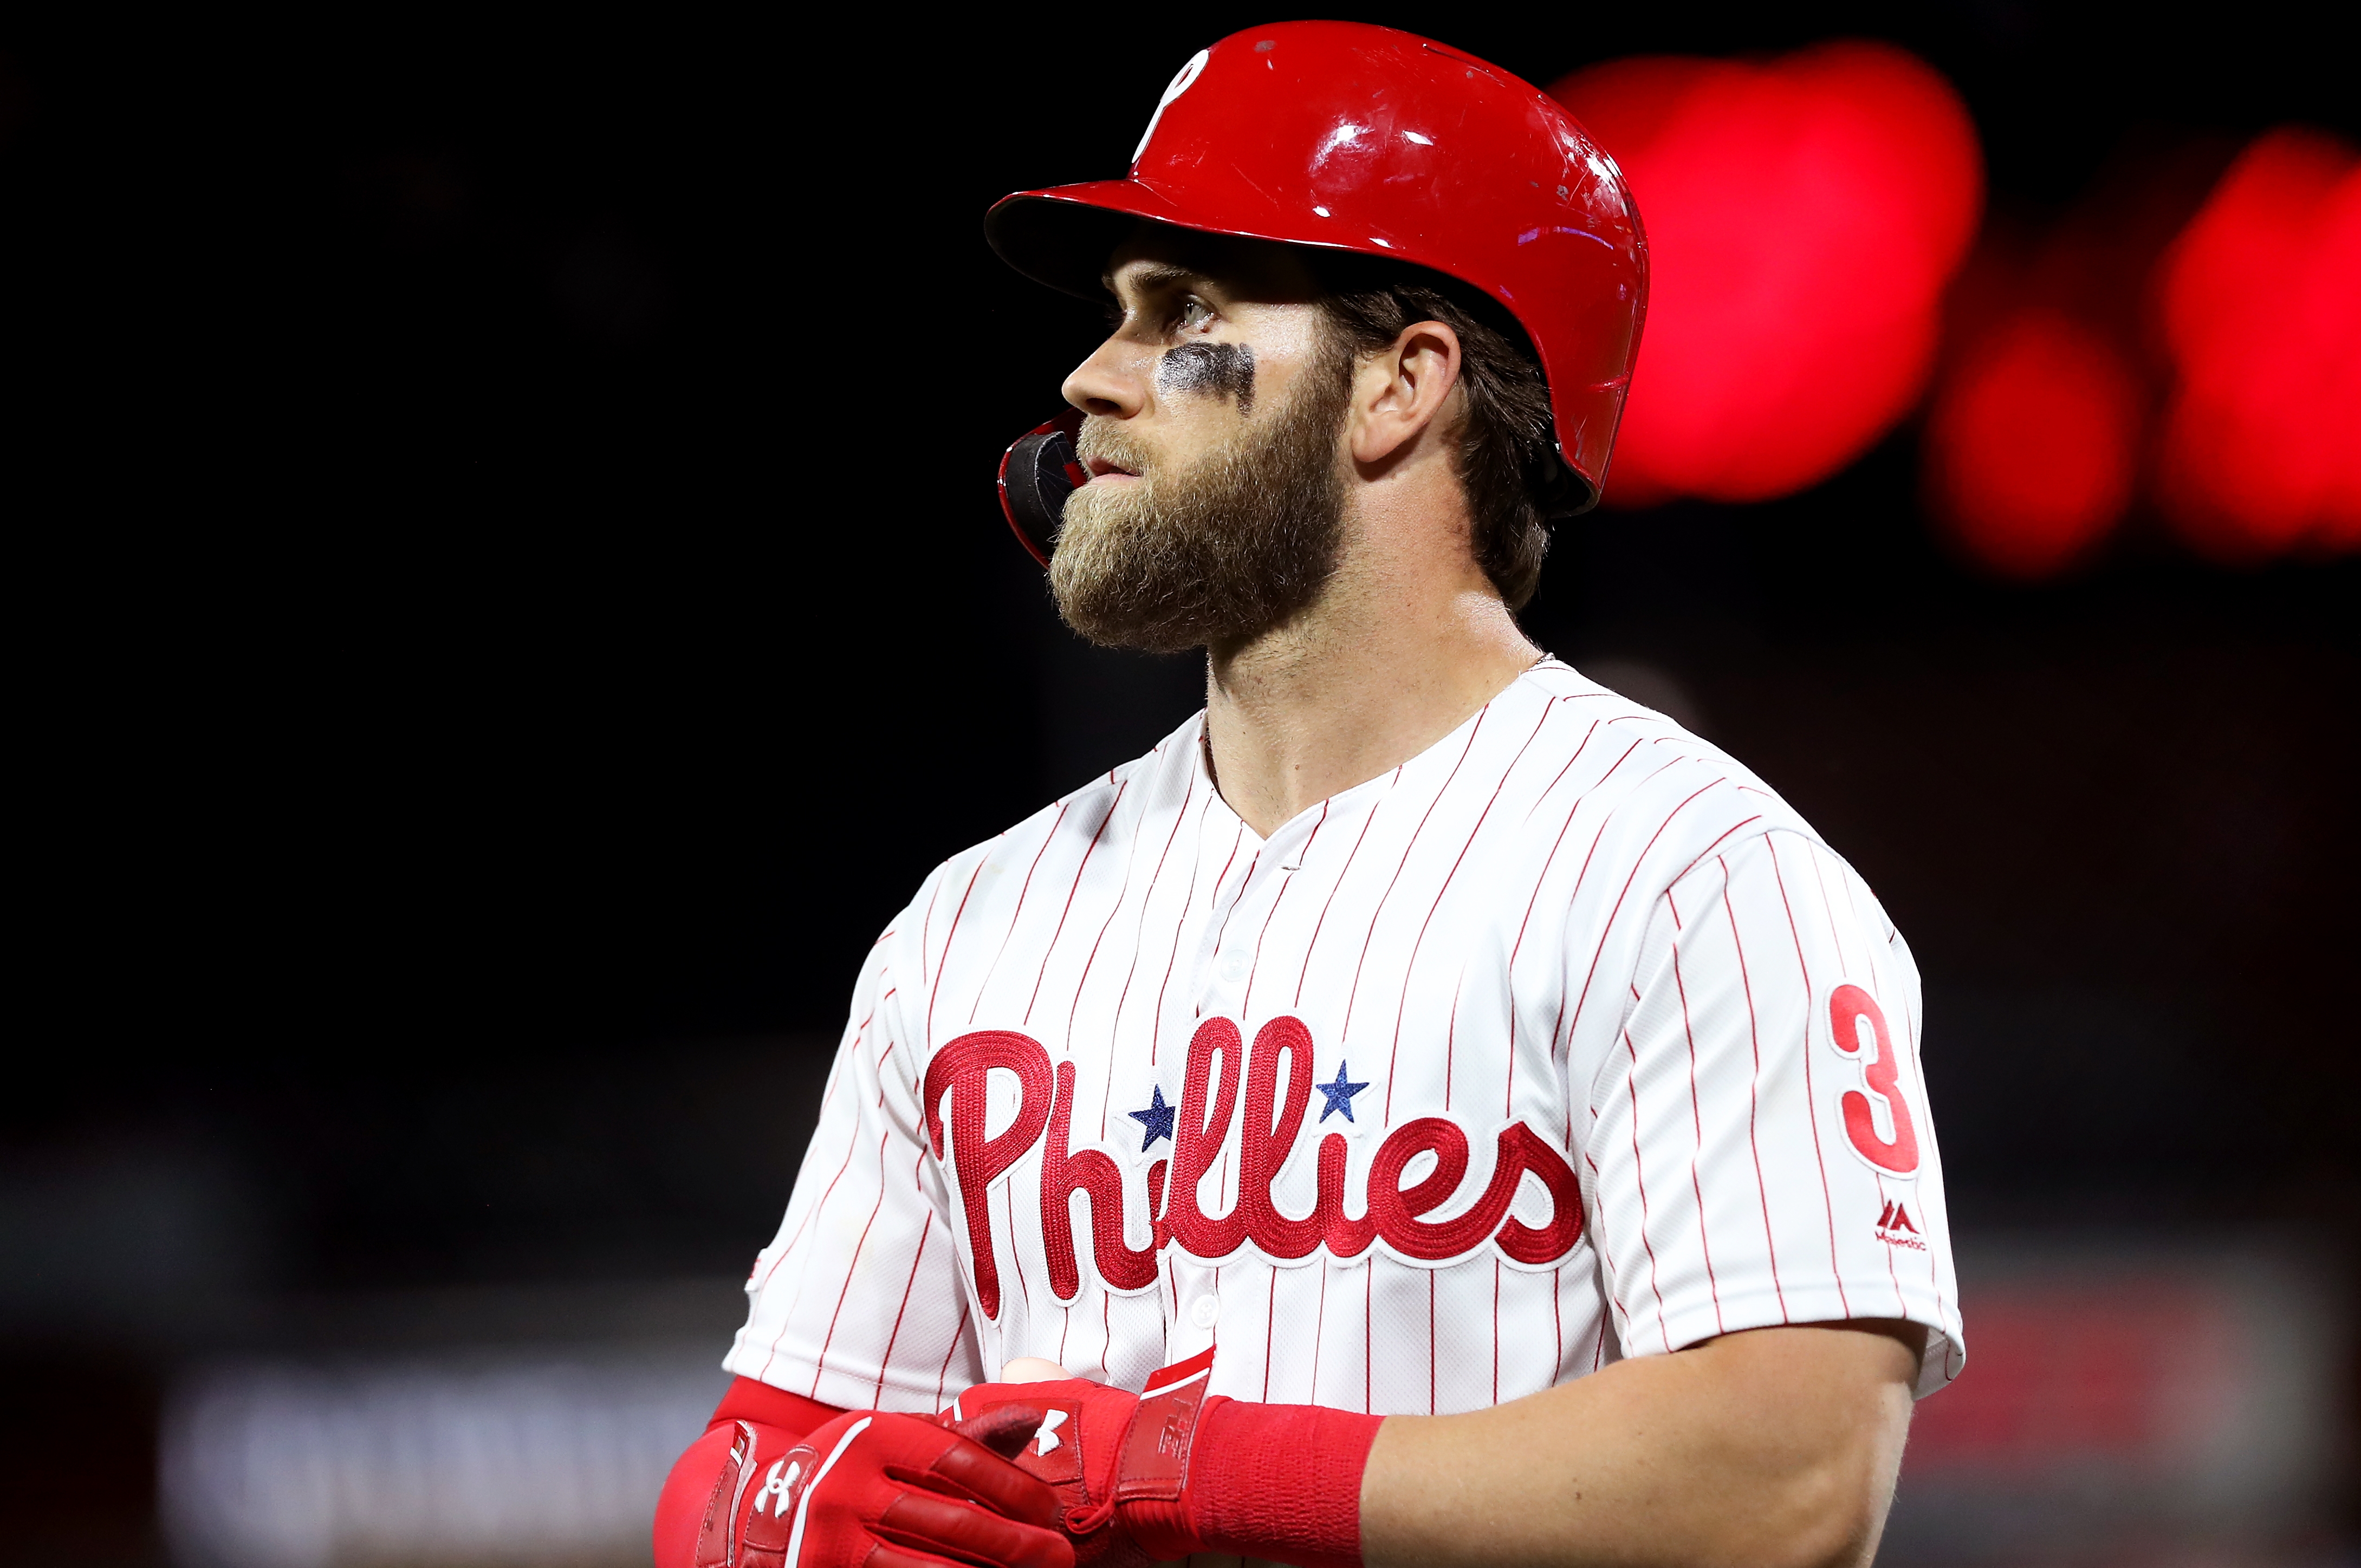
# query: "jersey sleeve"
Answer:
x=860 y=1302
x=1760 y=1148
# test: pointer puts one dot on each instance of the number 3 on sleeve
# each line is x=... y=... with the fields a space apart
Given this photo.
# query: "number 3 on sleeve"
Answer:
x=1878 y=1121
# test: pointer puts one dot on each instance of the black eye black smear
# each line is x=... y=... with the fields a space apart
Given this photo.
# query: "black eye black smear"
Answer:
x=1225 y=369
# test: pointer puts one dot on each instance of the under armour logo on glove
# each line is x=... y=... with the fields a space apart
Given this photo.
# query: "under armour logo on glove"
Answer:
x=779 y=1486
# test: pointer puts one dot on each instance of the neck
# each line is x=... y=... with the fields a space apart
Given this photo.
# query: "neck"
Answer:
x=1403 y=646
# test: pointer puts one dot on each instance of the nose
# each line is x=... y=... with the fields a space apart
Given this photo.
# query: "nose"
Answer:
x=1113 y=382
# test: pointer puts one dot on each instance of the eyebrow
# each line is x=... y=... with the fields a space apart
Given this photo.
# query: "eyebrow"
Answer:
x=1155 y=275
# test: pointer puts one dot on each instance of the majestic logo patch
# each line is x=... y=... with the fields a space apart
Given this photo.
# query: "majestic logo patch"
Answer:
x=1273 y=1122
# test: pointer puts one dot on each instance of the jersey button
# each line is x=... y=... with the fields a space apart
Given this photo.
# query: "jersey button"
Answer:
x=1203 y=1311
x=1236 y=964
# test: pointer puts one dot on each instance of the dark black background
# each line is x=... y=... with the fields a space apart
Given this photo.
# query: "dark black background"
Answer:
x=509 y=600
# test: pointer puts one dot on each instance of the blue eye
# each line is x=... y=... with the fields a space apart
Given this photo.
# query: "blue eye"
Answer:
x=1194 y=316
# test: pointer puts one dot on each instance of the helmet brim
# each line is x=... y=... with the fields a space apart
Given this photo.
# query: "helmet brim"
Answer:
x=1062 y=236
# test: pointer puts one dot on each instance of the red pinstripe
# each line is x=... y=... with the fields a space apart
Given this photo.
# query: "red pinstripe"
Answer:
x=1640 y=1178
x=1450 y=1038
x=1609 y=925
x=1139 y=938
x=1015 y=1259
x=1237 y=898
x=1245 y=1002
x=1754 y=1087
x=1368 y=1334
x=944 y=1376
x=1433 y=1353
x=1558 y=1024
x=1342 y=872
x=1270 y=1325
x=1605 y=1254
x=925 y=1231
x=820 y=1364
x=926 y=928
x=1811 y=1094
x=1401 y=1004
x=935 y=992
x=1509 y=1085
x=850 y=1144
x=1189 y=900
x=836 y=1076
x=1551 y=787
x=1320 y=1333
x=1557 y=1325
x=1496 y=1331
x=1130 y=864
x=1377 y=914
x=1068 y=909
x=1016 y=915
x=1697 y=1122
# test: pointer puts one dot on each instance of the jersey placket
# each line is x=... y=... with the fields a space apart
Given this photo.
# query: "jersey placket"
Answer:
x=1221 y=972
x=1193 y=1306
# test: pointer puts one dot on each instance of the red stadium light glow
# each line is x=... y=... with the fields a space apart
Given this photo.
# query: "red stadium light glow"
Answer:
x=1802 y=217
x=2033 y=444
x=2260 y=302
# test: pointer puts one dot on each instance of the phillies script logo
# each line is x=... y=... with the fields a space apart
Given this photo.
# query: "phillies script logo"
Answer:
x=1394 y=1215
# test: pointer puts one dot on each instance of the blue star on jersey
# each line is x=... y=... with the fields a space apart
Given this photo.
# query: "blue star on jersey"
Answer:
x=1340 y=1095
x=1156 y=1118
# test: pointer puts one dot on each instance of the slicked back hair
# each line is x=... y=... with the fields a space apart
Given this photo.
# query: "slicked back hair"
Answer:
x=1506 y=461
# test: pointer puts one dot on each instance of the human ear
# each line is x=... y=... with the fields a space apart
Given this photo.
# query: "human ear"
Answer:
x=1400 y=389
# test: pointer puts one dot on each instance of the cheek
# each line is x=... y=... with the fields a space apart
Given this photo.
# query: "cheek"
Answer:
x=1282 y=359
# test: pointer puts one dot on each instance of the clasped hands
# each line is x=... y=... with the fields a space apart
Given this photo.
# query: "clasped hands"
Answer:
x=1038 y=1471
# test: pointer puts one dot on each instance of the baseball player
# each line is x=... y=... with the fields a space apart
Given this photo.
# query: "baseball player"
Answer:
x=1429 y=1108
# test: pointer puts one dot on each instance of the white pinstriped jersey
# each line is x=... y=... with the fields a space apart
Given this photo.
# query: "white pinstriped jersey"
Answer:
x=1565 y=1041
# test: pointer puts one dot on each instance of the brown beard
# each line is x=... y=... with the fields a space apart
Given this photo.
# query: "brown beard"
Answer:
x=1215 y=554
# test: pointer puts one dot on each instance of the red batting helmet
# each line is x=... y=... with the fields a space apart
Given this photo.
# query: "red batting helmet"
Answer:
x=1361 y=139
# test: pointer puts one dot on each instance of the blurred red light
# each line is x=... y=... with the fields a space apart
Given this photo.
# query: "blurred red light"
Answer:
x=1802 y=217
x=2033 y=444
x=2131 y=1370
x=2260 y=300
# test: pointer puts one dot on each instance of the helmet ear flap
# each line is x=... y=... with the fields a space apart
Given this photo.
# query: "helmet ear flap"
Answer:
x=1037 y=473
x=1559 y=491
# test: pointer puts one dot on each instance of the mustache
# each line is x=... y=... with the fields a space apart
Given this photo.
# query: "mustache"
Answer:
x=1106 y=438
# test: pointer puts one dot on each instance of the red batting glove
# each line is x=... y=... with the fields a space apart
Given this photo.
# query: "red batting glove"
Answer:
x=1174 y=1470
x=885 y=1491
x=1116 y=1458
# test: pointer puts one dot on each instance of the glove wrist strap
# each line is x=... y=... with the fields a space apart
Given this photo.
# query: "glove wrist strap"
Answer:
x=1278 y=1481
x=1159 y=1449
